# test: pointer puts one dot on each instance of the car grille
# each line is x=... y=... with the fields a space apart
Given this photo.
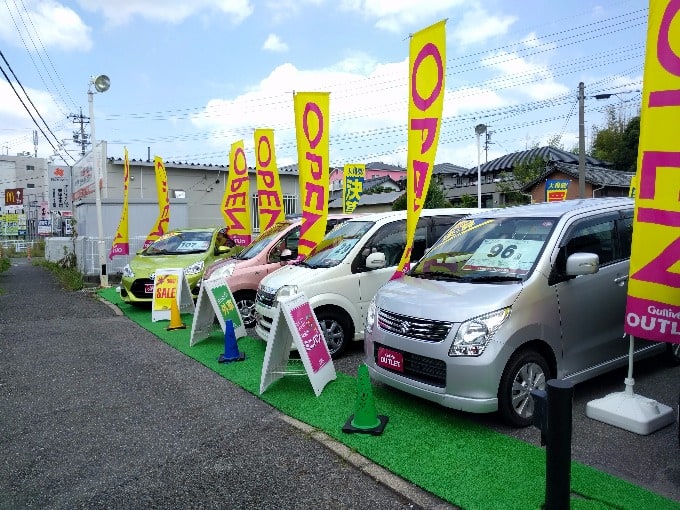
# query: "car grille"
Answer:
x=411 y=327
x=265 y=298
x=138 y=286
x=419 y=368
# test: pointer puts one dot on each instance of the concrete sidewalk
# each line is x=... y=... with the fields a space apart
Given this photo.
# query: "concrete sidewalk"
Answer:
x=96 y=412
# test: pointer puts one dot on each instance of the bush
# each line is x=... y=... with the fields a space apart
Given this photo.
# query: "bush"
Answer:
x=69 y=277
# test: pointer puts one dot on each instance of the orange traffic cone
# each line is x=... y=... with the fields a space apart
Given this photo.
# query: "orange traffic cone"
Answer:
x=175 y=317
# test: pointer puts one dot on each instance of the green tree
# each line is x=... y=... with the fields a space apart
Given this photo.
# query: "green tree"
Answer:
x=618 y=142
x=523 y=173
x=435 y=198
x=468 y=200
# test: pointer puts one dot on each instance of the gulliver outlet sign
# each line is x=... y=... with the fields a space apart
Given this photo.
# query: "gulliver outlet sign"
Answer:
x=653 y=305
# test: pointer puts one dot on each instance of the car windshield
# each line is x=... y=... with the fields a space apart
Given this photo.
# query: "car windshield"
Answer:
x=262 y=241
x=487 y=250
x=333 y=249
x=181 y=243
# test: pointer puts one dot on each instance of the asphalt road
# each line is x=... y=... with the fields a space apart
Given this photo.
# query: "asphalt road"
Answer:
x=96 y=413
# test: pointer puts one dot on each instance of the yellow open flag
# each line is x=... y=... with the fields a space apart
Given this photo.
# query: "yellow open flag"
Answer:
x=427 y=71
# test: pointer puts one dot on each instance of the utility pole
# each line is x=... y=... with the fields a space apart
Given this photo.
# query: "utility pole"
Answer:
x=487 y=142
x=80 y=137
x=581 y=143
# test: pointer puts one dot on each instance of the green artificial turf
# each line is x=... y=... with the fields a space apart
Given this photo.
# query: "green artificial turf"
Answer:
x=463 y=463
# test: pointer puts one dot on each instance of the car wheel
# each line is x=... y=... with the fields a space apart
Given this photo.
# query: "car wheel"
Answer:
x=245 y=301
x=336 y=331
x=673 y=355
x=526 y=370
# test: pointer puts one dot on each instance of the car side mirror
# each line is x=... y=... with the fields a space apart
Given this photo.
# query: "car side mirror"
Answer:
x=582 y=263
x=376 y=260
x=286 y=255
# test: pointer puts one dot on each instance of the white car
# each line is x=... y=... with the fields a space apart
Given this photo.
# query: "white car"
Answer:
x=346 y=269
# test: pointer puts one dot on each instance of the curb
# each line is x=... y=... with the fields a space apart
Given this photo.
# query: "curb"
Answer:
x=419 y=497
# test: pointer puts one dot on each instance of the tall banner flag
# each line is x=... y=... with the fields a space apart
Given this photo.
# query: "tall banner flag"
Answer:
x=352 y=186
x=653 y=304
x=161 y=226
x=270 y=208
x=427 y=61
x=121 y=241
x=311 y=130
x=236 y=200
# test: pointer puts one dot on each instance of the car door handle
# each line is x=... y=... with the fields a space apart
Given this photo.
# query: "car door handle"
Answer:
x=621 y=280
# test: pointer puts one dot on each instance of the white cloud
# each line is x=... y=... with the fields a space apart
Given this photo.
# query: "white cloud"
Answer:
x=51 y=25
x=534 y=80
x=169 y=11
x=365 y=98
x=477 y=26
x=275 y=44
x=279 y=11
x=398 y=15
x=20 y=137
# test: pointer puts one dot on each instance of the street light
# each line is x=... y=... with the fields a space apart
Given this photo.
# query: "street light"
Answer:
x=480 y=129
x=101 y=84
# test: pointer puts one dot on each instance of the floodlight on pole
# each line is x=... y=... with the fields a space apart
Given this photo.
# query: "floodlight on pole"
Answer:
x=480 y=129
x=101 y=84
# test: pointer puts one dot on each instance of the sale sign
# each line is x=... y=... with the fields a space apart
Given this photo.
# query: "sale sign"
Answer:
x=270 y=208
x=311 y=130
x=236 y=200
x=312 y=338
x=556 y=190
x=427 y=62
x=352 y=186
x=653 y=304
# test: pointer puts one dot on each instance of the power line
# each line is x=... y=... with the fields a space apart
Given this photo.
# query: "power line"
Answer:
x=33 y=105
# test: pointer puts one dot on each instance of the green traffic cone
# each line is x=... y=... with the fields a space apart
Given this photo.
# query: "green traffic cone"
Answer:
x=365 y=418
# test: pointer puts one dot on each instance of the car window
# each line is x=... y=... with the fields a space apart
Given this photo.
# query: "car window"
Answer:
x=479 y=249
x=179 y=243
x=335 y=246
x=389 y=239
x=289 y=242
x=624 y=234
x=593 y=235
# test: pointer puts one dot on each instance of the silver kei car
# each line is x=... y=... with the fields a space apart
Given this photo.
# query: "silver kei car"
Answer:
x=506 y=300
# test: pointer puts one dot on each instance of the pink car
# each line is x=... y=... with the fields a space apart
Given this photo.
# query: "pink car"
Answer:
x=245 y=270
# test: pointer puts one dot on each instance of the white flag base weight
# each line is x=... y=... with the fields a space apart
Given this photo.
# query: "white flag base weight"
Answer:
x=631 y=412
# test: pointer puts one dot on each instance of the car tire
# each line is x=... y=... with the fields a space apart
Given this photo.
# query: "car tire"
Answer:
x=525 y=371
x=673 y=354
x=336 y=330
x=245 y=302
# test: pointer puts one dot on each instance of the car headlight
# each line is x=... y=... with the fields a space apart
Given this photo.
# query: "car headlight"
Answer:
x=128 y=272
x=371 y=314
x=284 y=292
x=224 y=271
x=474 y=335
x=194 y=268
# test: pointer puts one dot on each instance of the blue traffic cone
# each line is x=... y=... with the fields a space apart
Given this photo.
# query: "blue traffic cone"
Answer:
x=365 y=419
x=231 y=352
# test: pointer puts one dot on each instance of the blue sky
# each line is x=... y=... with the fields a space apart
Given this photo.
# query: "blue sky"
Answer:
x=190 y=78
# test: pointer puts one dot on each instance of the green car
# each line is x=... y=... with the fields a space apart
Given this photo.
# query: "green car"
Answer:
x=190 y=249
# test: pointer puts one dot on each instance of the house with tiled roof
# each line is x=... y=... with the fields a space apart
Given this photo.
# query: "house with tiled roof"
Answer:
x=501 y=170
x=599 y=182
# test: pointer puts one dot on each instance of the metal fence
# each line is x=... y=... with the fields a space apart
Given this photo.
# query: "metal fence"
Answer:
x=86 y=250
